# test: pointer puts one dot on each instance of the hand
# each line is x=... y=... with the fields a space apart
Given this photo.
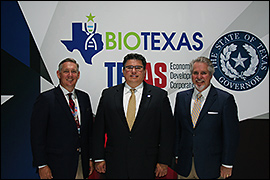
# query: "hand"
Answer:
x=161 y=170
x=100 y=166
x=45 y=173
x=91 y=164
x=225 y=172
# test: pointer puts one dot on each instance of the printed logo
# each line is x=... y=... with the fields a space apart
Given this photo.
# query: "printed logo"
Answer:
x=85 y=39
x=240 y=60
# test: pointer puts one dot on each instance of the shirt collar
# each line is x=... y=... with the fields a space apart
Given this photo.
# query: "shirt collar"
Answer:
x=204 y=92
x=127 y=88
x=66 y=92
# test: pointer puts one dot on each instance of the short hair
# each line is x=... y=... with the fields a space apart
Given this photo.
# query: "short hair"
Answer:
x=203 y=59
x=60 y=66
x=135 y=56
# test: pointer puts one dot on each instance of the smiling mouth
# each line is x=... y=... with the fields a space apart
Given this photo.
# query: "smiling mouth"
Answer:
x=199 y=80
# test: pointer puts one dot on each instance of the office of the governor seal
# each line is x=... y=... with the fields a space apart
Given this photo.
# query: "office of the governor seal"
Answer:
x=240 y=60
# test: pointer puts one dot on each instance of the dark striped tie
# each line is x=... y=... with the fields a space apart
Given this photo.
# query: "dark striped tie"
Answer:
x=72 y=107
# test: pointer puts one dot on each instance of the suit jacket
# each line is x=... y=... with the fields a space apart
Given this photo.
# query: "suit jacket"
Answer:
x=54 y=135
x=215 y=138
x=135 y=153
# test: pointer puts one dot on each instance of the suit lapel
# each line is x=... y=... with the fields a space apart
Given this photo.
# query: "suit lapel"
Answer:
x=146 y=98
x=187 y=103
x=118 y=99
x=208 y=103
x=63 y=103
x=62 y=100
x=81 y=104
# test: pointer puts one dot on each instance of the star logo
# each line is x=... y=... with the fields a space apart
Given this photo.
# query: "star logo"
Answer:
x=90 y=18
x=239 y=61
x=85 y=39
x=240 y=64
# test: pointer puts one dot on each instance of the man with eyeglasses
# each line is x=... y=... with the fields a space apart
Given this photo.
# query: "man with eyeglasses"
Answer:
x=136 y=149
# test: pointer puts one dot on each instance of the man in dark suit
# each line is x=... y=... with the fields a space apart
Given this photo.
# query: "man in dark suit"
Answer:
x=205 y=149
x=140 y=149
x=62 y=148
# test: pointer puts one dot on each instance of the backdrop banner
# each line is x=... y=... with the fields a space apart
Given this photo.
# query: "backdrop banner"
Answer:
x=37 y=35
x=98 y=34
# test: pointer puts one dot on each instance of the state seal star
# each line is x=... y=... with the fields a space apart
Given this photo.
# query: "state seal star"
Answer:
x=239 y=61
x=90 y=18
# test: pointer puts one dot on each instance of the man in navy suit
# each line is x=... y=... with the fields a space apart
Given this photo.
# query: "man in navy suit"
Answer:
x=145 y=149
x=61 y=148
x=205 y=149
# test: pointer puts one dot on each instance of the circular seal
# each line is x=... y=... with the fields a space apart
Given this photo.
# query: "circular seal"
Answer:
x=240 y=60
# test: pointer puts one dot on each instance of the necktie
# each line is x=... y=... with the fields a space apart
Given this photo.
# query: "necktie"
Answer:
x=131 y=109
x=196 y=109
x=73 y=110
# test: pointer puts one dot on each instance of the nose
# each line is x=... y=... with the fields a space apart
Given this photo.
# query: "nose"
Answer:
x=133 y=70
x=70 y=73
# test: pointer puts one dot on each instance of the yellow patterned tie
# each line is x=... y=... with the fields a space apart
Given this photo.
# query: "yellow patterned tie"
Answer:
x=131 y=109
x=196 y=109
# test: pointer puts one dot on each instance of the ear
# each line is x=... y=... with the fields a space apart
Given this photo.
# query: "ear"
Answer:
x=58 y=74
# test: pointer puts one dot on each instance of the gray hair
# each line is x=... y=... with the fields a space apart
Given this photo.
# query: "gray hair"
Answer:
x=60 y=66
x=202 y=59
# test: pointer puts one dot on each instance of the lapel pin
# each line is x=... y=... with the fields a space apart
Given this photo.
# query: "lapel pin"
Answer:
x=148 y=95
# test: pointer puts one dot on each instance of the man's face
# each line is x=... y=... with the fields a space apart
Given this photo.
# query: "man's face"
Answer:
x=68 y=76
x=201 y=76
x=134 y=76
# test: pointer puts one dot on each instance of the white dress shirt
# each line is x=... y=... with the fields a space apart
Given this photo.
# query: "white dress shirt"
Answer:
x=203 y=98
x=126 y=96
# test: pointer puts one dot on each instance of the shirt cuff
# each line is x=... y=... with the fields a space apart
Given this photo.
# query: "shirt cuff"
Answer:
x=227 y=166
x=42 y=166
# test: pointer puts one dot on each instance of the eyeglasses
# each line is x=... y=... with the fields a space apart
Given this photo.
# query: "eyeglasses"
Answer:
x=137 y=68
